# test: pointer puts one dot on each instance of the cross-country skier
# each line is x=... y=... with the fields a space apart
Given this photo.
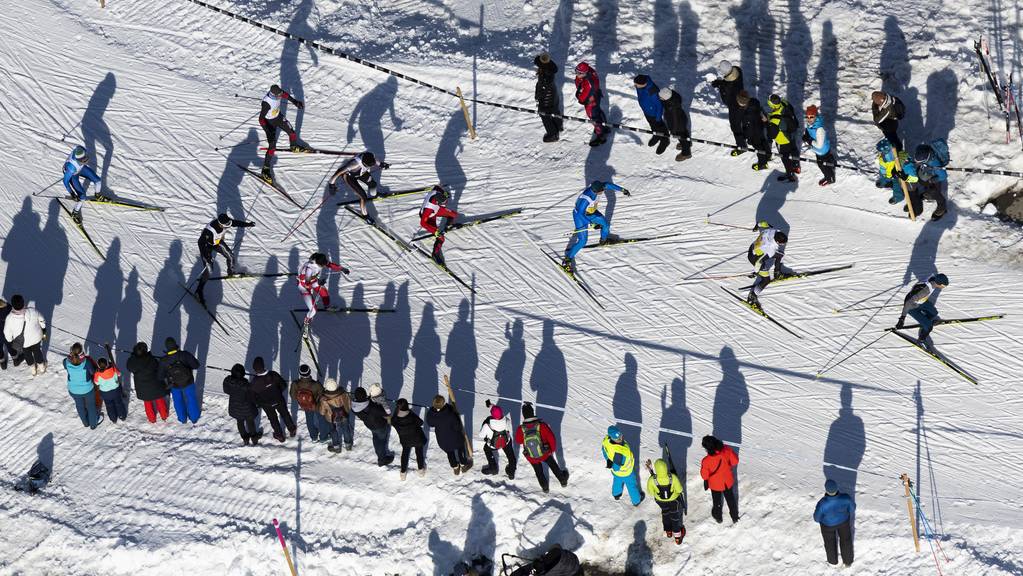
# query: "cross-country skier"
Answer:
x=816 y=137
x=888 y=173
x=211 y=241
x=435 y=206
x=355 y=171
x=589 y=94
x=765 y=254
x=272 y=119
x=75 y=169
x=667 y=490
x=729 y=85
x=585 y=214
x=918 y=304
x=312 y=279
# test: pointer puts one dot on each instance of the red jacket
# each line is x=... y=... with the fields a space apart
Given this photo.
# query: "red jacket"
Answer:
x=587 y=86
x=546 y=435
x=716 y=469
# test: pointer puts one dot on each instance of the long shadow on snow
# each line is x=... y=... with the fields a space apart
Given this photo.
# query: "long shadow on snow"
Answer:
x=549 y=381
x=755 y=27
x=95 y=130
x=167 y=289
x=796 y=46
x=627 y=406
x=291 y=78
x=264 y=328
x=923 y=455
x=449 y=169
x=511 y=369
x=290 y=351
x=427 y=352
x=129 y=315
x=462 y=357
x=200 y=327
x=394 y=336
x=229 y=196
x=676 y=416
x=480 y=540
x=674 y=55
x=772 y=198
x=896 y=74
x=561 y=38
x=639 y=558
x=846 y=443
x=109 y=282
x=357 y=342
x=369 y=115
x=827 y=75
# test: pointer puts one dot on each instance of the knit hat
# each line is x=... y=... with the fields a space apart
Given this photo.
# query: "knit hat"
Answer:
x=544 y=58
x=940 y=279
x=330 y=385
x=527 y=410
x=496 y=412
x=724 y=67
x=438 y=402
x=170 y=344
x=811 y=110
x=883 y=145
x=664 y=93
x=360 y=394
x=258 y=365
x=17 y=301
x=402 y=405
x=238 y=371
x=711 y=444
x=922 y=153
x=375 y=390
x=140 y=349
x=830 y=487
x=582 y=68
x=743 y=98
x=641 y=80
x=614 y=433
x=597 y=186
x=305 y=371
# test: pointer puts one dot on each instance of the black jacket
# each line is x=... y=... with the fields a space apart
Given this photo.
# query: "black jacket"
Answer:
x=753 y=122
x=372 y=414
x=240 y=402
x=729 y=89
x=410 y=429
x=674 y=115
x=168 y=368
x=268 y=389
x=447 y=426
x=3 y=318
x=546 y=93
x=145 y=375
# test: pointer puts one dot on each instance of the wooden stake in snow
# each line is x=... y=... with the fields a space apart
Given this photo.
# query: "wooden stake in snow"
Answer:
x=465 y=110
x=284 y=547
x=909 y=506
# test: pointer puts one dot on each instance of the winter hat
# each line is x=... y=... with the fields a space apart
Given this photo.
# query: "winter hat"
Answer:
x=496 y=412
x=724 y=67
x=811 y=110
x=102 y=363
x=223 y=219
x=368 y=159
x=527 y=410
x=543 y=58
x=641 y=80
x=238 y=371
x=402 y=405
x=922 y=153
x=582 y=68
x=330 y=385
x=438 y=402
x=597 y=186
x=304 y=371
x=940 y=279
x=375 y=390
x=276 y=90
x=170 y=344
x=614 y=433
x=319 y=258
x=17 y=301
x=743 y=98
x=258 y=365
x=360 y=394
x=140 y=349
x=830 y=487
x=883 y=145
x=664 y=94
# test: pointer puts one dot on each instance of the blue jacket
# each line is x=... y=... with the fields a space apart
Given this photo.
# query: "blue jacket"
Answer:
x=73 y=172
x=582 y=214
x=834 y=510
x=812 y=131
x=931 y=171
x=649 y=101
x=79 y=376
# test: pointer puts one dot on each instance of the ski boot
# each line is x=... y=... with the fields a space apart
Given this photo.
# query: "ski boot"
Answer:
x=76 y=216
x=100 y=197
x=737 y=152
x=305 y=329
x=597 y=140
x=438 y=257
x=681 y=535
x=823 y=182
x=757 y=166
x=611 y=239
x=267 y=175
x=753 y=301
x=568 y=265
x=300 y=148
x=371 y=189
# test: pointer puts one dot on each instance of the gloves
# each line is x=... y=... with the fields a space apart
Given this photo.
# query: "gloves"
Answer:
x=807 y=139
x=332 y=187
x=900 y=323
x=900 y=174
x=706 y=485
x=717 y=83
x=249 y=224
x=299 y=104
x=384 y=165
x=345 y=271
x=609 y=464
x=262 y=121
x=437 y=233
x=626 y=192
x=597 y=226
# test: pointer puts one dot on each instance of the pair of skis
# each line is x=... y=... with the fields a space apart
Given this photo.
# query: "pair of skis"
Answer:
x=111 y=202
x=470 y=223
x=1003 y=89
x=938 y=355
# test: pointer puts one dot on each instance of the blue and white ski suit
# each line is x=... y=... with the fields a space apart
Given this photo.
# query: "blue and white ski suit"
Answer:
x=74 y=171
x=586 y=214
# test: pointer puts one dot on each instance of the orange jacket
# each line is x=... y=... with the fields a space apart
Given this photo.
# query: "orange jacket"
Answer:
x=716 y=469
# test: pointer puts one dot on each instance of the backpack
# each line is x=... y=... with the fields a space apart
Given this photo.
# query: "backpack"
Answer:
x=306 y=400
x=178 y=373
x=17 y=346
x=940 y=148
x=898 y=109
x=532 y=442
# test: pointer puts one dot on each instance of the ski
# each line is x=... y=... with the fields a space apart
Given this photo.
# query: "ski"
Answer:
x=666 y=454
x=445 y=268
x=401 y=243
x=349 y=309
x=981 y=49
x=112 y=202
x=271 y=183
x=204 y=307
x=573 y=275
x=937 y=356
x=392 y=194
x=245 y=275
x=310 y=151
x=631 y=240
x=951 y=321
x=759 y=310
x=470 y=223
x=82 y=230
x=1015 y=107
x=806 y=274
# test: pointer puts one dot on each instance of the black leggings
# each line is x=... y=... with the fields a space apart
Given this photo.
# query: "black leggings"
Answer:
x=406 y=452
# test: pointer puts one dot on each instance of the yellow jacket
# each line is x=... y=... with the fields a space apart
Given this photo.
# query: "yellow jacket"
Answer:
x=665 y=486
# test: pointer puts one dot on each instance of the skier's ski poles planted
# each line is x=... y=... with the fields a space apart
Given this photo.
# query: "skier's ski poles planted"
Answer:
x=240 y=124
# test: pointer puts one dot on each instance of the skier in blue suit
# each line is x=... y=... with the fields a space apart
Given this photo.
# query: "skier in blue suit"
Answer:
x=75 y=168
x=586 y=214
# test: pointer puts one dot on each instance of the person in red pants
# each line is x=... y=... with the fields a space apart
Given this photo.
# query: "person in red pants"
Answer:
x=435 y=206
x=145 y=369
x=589 y=94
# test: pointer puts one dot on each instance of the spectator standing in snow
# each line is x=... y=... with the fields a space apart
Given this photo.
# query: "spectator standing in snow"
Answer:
x=145 y=377
x=547 y=98
x=5 y=310
x=589 y=94
x=782 y=127
x=933 y=179
x=753 y=128
x=377 y=420
x=834 y=514
x=409 y=427
x=668 y=493
x=108 y=379
x=336 y=410
x=816 y=137
x=716 y=471
x=268 y=389
x=24 y=331
x=538 y=446
x=450 y=433
x=622 y=463
x=80 y=368
x=677 y=121
x=888 y=173
x=653 y=111
x=178 y=366
x=306 y=393
x=242 y=406
x=496 y=433
x=887 y=110
x=729 y=86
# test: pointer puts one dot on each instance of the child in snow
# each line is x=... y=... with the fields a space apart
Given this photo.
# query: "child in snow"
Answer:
x=108 y=379
x=409 y=427
x=336 y=409
x=496 y=435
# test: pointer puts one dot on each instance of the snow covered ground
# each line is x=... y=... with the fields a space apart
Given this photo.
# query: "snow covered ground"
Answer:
x=149 y=86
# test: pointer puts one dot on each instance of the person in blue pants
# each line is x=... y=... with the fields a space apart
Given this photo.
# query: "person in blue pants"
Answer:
x=620 y=460
x=80 y=370
x=585 y=214
x=178 y=368
x=76 y=168
x=919 y=305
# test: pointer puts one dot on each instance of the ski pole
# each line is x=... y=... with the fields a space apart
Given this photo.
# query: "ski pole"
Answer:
x=242 y=143
x=240 y=124
x=828 y=369
x=709 y=221
x=185 y=293
x=244 y=97
x=840 y=310
x=311 y=212
x=284 y=547
x=69 y=130
x=50 y=185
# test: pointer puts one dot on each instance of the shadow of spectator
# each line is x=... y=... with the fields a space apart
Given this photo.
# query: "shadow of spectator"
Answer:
x=463 y=359
x=549 y=380
x=109 y=282
x=676 y=416
x=627 y=406
x=291 y=77
x=896 y=74
x=846 y=443
x=827 y=75
x=797 y=46
x=129 y=315
x=755 y=28
x=639 y=559
x=511 y=369
x=394 y=336
x=169 y=287
x=357 y=341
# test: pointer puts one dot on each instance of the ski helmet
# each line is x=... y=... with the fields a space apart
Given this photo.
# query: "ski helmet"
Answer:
x=724 y=67
x=80 y=154
x=367 y=159
x=614 y=433
x=276 y=90
x=441 y=194
x=319 y=258
x=940 y=279
x=664 y=94
x=922 y=153
x=597 y=186
x=223 y=219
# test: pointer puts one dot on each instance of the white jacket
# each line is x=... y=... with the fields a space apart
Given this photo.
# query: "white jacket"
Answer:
x=28 y=319
x=492 y=427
